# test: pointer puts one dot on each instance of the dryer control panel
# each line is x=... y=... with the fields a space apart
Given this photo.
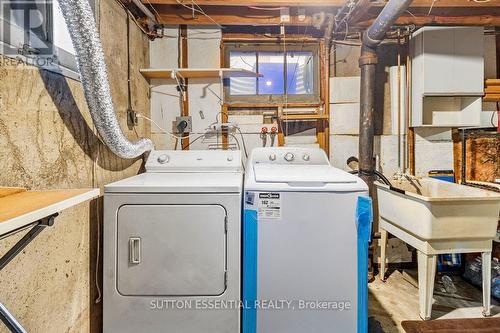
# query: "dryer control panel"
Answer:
x=194 y=161
x=289 y=155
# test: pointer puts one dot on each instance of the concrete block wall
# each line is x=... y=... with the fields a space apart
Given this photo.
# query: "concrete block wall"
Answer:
x=433 y=146
x=49 y=142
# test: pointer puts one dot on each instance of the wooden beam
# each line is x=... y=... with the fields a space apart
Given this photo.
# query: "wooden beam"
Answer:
x=324 y=3
x=482 y=20
x=224 y=15
x=363 y=16
x=441 y=16
x=184 y=64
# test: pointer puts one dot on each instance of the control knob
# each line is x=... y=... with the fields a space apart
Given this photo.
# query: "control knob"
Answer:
x=163 y=158
x=289 y=157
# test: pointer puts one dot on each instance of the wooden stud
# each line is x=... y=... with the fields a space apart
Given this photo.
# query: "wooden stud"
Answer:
x=411 y=150
x=184 y=64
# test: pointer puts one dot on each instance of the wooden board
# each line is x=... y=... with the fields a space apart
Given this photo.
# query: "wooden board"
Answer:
x=491 y=97
x=5 y=191
x=303 y=116
x=163 y=73
x=23 y=207
x=492 y=82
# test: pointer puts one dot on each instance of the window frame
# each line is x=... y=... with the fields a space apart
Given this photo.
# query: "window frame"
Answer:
x=66 y=61
x=275 y=99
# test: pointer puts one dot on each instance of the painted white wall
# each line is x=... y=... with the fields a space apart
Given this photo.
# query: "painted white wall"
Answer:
x=165 y=99
x=204 y=95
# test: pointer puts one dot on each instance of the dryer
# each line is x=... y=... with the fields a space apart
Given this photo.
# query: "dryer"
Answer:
x=172 y=245
x=300 y=271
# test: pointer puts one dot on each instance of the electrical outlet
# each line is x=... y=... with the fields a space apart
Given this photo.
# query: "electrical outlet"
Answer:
x=132 y=118
x=182 y=125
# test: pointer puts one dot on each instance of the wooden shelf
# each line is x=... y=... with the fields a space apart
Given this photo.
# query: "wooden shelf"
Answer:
x=492 y=90
x=163 y=73
x=20 y=207
x=303 y=117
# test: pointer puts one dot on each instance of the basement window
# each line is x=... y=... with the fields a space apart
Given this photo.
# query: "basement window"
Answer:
x=290 y=73
x=33 y=32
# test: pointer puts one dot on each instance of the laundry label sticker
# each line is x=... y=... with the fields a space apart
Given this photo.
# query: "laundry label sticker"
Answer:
x=269 y=206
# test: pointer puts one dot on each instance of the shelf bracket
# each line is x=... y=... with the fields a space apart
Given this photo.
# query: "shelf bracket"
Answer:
x=5 y=316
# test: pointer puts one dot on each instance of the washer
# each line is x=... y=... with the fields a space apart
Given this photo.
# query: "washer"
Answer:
x=299 y=243
x=172 y=245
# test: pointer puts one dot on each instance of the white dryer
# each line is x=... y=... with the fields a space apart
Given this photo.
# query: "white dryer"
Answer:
x=172 y=245
x=300 y=264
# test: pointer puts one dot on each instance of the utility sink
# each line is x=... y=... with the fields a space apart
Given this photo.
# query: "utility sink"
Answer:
x=438 y=217
x=432 y=209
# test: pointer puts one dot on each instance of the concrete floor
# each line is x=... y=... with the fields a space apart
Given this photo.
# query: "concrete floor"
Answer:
x=396 y=300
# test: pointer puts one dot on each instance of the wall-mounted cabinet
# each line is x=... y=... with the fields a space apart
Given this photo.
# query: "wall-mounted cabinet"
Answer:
x=447 y=76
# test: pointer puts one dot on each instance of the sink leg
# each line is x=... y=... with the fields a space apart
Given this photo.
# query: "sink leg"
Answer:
x=486 y=264
x=426 y=274
x=383 y=248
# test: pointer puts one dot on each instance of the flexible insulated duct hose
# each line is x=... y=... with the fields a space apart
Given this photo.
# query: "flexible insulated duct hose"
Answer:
x=93 y=73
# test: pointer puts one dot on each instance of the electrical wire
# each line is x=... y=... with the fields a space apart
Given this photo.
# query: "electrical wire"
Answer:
x=267 y=8
x=193 y=141
x=430 y=8
x=243 y=140
x=154 y=9
x=198 y=10
x=147 y=33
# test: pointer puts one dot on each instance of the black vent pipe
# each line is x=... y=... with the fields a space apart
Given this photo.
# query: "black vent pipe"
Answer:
x=372 y=37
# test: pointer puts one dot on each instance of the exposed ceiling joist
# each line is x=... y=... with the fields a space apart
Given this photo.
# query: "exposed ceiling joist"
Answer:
x=175 y=15
x=441 y=16
x=240 y=13
x=326 y=3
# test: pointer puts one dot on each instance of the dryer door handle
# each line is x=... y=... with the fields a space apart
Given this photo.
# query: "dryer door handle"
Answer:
x=134 y=244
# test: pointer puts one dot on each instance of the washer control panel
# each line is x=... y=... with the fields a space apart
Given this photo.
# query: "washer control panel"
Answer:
x=289 y=155
x=194 y=161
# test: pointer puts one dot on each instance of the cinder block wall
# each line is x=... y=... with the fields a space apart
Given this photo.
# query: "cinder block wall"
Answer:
x=47 y=140
x=433 y=146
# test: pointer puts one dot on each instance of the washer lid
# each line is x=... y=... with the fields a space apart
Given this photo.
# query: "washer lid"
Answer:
x=296 y=174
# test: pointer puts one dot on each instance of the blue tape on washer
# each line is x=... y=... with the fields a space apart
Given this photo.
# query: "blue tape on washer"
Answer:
x=364 y=219
x=250 y=233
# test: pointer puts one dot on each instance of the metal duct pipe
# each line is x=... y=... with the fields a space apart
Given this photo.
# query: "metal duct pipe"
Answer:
x=93 y=73
x=372 y=37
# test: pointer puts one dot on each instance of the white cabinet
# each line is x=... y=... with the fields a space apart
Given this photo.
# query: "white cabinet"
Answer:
x=447 y=76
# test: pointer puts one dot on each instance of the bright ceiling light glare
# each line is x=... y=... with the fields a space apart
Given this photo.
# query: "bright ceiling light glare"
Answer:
x=269 y=83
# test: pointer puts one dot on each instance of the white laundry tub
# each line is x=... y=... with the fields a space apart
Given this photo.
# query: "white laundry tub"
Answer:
x=431 y=209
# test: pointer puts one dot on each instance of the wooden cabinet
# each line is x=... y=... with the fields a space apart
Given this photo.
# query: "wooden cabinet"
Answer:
x=447 y=76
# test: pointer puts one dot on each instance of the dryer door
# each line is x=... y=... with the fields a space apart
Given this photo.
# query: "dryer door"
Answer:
x=171 y=250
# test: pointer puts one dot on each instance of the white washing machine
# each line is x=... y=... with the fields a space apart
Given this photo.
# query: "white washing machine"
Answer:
x=300 y=271
x=172 y=245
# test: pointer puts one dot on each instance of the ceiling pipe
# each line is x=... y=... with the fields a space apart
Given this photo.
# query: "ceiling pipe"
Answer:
x=372 y=38
x=145 y=11
x=94 y=75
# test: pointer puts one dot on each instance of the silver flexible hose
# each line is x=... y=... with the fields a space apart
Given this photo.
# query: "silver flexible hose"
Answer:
x=93 y=73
